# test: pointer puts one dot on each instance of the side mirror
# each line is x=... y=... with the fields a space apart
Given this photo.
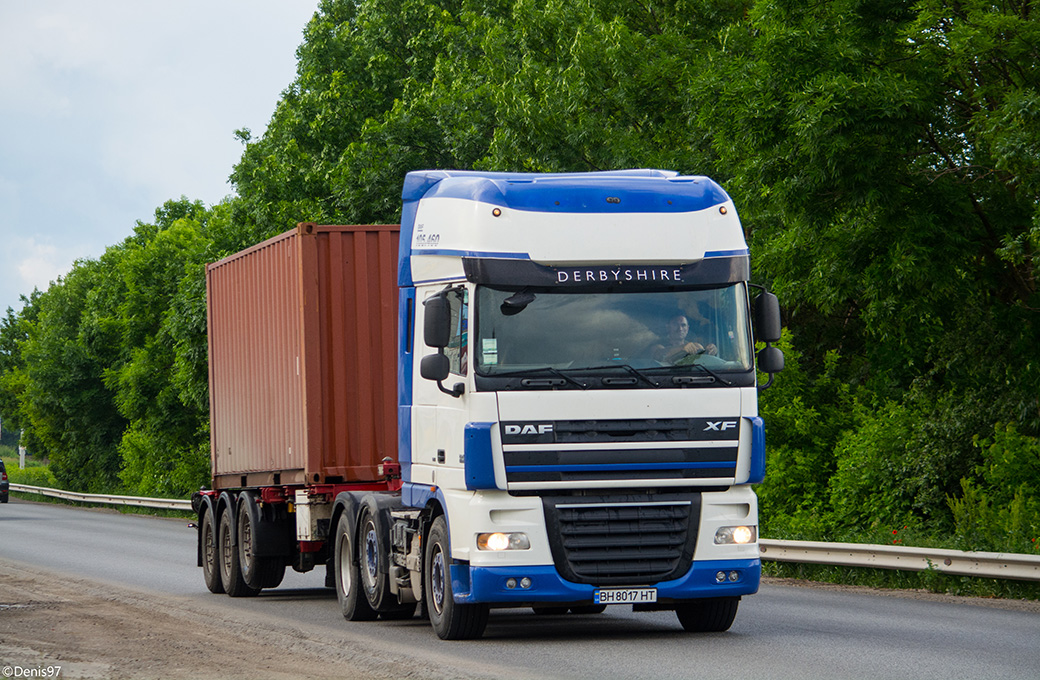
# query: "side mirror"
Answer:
x=437 y=324
x=770 y=360
x=435 y=367
x=767 y=317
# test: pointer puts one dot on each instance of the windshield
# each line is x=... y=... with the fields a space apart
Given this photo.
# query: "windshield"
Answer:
x=656 y=333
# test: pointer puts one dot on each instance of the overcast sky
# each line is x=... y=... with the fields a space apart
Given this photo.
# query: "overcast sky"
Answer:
x=108 y=108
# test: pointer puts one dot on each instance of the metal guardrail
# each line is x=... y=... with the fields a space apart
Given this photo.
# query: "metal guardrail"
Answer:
x=981 y=564
x=105 y=499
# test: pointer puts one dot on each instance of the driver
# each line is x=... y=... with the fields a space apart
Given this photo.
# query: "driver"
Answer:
x=675 y=345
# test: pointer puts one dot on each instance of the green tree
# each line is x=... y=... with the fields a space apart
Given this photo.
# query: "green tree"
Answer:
x=160 y=450
x=65 y=407
x=884 y=156
x=14 y=331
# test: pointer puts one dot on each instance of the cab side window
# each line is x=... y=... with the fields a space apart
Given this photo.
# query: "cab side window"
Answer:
x=458 y=345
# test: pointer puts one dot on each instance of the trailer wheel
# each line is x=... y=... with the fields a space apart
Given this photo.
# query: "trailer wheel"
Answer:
x=210 y=560
x=352 y=601
x=230 y=568
x=451 y=620
x=258 y=572
x=251 y=565
x=713 y=615
x=274 y=572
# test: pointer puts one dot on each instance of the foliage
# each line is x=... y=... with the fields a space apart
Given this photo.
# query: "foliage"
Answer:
x=999 y=509
x=804 y=419
x=35 y=475
x=885 y=155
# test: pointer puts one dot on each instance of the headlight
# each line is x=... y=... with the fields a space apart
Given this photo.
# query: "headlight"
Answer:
x=736 y=535
x=500 y=541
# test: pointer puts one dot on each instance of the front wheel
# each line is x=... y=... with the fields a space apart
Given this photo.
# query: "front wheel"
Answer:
x=451 y=620
x=713 y=615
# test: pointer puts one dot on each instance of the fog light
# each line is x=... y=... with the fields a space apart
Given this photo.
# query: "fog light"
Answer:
x=741 y=535
x=734 y=576
x=511 y=583
x=525 y=583
x=500 y=541
x=720 y=577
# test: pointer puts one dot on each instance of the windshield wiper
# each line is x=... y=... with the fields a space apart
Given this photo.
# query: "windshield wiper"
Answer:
x=634 y=371
x=544 y=369
x=710 y=372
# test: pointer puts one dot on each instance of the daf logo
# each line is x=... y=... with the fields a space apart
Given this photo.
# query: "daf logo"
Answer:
x=720 y=425
x=545 y=428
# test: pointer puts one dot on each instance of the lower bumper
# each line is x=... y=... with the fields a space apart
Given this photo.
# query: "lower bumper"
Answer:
x=491 y=584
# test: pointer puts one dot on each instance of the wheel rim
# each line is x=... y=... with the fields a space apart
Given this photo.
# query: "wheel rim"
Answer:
x=345 y=582
x=246 y=541
x=437 y=581
x=226 y=549
x=371 y=557
x=209 y=554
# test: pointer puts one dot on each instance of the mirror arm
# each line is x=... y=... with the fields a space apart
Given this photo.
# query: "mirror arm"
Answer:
x=772 y=373
x=457 y=390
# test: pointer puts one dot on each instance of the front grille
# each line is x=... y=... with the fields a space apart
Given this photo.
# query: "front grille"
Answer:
x=620 y=431
x=635 y=450
x=622 y=540
x=620 y=464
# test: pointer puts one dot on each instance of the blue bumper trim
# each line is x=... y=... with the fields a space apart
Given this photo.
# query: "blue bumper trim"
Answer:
x=488 y=584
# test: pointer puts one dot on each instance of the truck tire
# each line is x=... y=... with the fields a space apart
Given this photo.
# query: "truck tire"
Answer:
x=210 y=560
x=274 y=572
x=258 y=572
x=349 y=591
x=451 y=620
x=230 y=568
x=250 y=564
x=713 y=615
x=371 y=544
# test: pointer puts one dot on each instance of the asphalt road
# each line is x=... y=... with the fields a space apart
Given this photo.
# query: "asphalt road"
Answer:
x=785 y=631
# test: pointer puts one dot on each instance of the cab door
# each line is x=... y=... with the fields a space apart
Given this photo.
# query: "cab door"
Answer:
x=440 y=412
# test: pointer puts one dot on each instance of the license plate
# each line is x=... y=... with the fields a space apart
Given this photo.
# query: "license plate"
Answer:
x=624 y=595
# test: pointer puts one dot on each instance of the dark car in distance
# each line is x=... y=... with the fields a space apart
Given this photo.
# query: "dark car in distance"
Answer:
x=4 y=484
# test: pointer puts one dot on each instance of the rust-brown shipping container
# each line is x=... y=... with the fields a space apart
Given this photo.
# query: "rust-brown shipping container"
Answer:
x=303 y=357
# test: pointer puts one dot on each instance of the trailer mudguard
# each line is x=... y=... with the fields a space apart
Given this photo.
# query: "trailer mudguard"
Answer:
x=272 y=538
x=228 y=499
x=203 y=504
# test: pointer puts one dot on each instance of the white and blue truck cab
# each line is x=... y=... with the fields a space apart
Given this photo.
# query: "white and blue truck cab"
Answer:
x=578 y=423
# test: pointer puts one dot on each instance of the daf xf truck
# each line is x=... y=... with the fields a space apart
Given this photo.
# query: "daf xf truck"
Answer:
x=539 y=390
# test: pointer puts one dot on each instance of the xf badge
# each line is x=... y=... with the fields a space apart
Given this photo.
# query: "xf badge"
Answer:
x=720 y=425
